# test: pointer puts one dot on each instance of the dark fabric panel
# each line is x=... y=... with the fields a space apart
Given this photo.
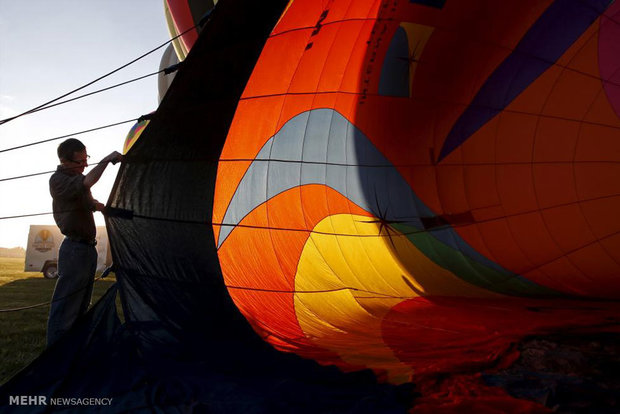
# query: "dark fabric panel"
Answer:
x=165 y=256
x=94 y=360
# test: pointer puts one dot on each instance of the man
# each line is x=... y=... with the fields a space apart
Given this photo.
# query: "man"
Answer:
x=73 y=207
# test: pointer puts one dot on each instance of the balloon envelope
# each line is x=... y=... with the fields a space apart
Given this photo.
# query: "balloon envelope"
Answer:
x=405 y=180
x=133 y=134
x=181 y=17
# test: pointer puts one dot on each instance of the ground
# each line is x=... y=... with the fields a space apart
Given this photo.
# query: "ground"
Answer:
x=23 y=331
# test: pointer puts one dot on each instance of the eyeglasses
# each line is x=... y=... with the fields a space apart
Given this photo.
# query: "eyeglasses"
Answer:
x=84 y=161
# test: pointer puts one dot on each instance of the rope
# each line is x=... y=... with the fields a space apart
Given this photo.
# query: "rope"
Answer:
x=39 y=173
x=115 y=212
x=69 y=135
x=39 y=305
x=108 y=270
x=98 y=91
x=48 y=103
x=135 y=159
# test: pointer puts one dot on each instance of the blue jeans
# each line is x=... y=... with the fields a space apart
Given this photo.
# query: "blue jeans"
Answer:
x=77 y=263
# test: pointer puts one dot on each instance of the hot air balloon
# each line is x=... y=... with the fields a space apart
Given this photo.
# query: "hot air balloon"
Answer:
x=405 y=180
x=182 y=16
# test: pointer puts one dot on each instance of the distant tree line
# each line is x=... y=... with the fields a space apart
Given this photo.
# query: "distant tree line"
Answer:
x=12 y=252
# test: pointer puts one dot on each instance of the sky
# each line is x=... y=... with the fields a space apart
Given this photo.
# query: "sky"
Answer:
x=47 y=49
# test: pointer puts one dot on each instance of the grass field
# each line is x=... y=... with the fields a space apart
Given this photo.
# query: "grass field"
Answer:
x=23 y=332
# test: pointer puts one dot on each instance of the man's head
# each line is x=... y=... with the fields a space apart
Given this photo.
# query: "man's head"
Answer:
x=72 y=155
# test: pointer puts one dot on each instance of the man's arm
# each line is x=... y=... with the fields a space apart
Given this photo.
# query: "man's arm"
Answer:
x=93 y=175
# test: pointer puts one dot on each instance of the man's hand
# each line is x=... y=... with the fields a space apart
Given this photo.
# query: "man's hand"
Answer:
x=113 y=157
x=93 y=175
x=99 y=206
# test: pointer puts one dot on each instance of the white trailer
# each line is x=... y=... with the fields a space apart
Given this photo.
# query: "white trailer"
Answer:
x=44 y=242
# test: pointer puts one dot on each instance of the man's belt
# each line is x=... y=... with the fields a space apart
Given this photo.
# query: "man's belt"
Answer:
x=91 y=242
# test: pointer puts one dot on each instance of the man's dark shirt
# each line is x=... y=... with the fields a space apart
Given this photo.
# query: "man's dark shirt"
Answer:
x=73 y=205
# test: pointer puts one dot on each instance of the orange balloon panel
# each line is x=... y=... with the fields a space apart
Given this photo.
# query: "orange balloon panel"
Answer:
x=397 y=170
x=274 y=246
